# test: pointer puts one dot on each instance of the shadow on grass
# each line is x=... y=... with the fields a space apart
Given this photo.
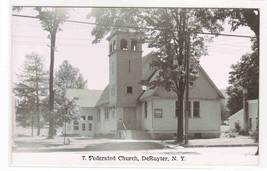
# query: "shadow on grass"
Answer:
x=35 y=144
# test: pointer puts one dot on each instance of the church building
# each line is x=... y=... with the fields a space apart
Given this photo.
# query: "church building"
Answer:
x=125 y=109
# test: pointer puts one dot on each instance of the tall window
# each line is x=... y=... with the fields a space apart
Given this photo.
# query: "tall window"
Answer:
x=83 y=126
x=145 y=109
x=129 y=66
x=90 y=127
x=106 y=113
x=129 y=89
x=196 y=112
x=75 y=125
x=123 y=44
x=134 y=45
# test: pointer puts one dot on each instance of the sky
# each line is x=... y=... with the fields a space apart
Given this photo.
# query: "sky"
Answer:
x=74 y=44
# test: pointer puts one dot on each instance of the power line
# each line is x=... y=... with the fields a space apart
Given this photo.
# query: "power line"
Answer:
x=142 y=28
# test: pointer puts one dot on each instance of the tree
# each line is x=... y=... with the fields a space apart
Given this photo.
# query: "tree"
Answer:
x=51 y=19
x=66 y=109
x=68 y=76
x=245 y=74
x=165 y=29
x=31 y=88
x=241 y=17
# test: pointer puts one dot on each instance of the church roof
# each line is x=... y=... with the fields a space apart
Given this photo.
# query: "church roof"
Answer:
x=86 y=98
x=104 y=98
x=150 y=92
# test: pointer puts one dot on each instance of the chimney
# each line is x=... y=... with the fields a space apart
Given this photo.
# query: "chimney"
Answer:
x=245 y=109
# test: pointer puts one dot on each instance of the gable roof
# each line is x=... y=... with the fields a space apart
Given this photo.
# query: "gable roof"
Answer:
x=150 y=92
x=86 y=98
x=104 y=98
x=211 y=82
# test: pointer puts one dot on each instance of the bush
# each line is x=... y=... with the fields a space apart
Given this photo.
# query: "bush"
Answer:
x=237 y=127
x=243 y=132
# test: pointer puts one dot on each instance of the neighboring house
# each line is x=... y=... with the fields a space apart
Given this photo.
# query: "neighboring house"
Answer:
x=238 y=117
x=126 y=108
x=84 y=125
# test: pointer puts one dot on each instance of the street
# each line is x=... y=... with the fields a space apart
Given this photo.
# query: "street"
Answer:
x=84 y=151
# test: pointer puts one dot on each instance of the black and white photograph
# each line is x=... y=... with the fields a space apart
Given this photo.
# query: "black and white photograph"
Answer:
x=135 y=86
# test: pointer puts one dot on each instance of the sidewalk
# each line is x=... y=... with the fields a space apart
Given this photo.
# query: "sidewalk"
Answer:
x=223 y=141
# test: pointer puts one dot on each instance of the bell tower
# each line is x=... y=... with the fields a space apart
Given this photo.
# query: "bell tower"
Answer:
x=125 y=69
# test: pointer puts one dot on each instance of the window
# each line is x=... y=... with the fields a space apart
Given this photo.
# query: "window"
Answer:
x=145 y=109
x=158 y=113
x=83 y=118
x=98 y=115
x=196 y=109
x=134 y=45
x=129 y=66
x=123 y=44
x=90 y=118
x=129 y=89
x=75 y=125
x=106 y=113
x=189 y=108
x=90 y=127
x=83 y=126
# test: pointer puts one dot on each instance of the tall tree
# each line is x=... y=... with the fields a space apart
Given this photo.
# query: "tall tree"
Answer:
x=245 y=74
x=165 y=29
x=66 y=77
x=51 y=19
x=30 y=90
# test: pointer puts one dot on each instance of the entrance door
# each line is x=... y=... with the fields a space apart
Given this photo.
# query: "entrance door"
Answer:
x=129 y=117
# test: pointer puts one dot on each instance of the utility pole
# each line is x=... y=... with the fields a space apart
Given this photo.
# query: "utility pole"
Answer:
x=187 y=86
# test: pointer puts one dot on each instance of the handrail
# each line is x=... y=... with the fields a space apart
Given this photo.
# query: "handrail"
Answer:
x=124 y=127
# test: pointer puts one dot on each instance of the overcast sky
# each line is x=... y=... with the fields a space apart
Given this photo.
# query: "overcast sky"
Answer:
x=74 y=44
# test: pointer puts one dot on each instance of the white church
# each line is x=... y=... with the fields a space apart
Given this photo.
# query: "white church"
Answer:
x=125 y=110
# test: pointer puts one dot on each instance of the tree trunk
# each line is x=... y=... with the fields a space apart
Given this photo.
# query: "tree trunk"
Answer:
x=37 y=106
x=32 y=125
x=180 y=119
x=51 y=91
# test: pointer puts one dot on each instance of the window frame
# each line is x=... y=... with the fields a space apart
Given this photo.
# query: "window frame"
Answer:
x=83 y=127
x=155 y=114
x=196 y=109
x=130 y=88
x=90 y=127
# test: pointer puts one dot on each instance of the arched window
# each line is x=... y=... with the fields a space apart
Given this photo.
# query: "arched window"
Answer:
x=123 y=44
x=114 y=45
x=134 y=45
